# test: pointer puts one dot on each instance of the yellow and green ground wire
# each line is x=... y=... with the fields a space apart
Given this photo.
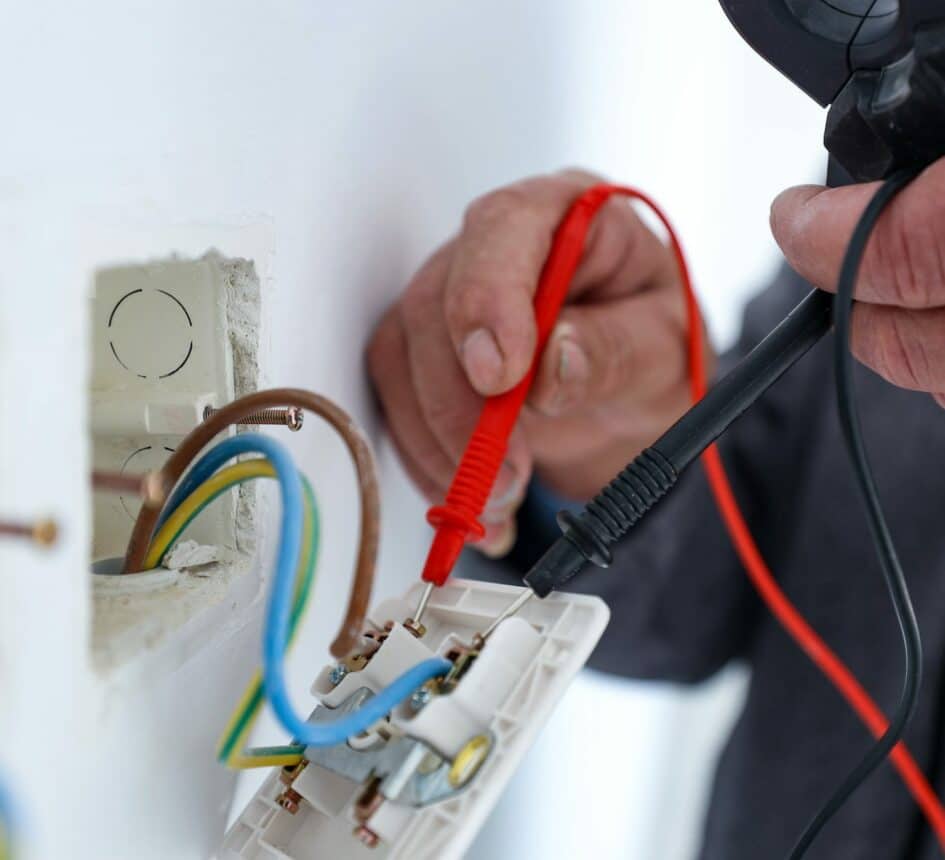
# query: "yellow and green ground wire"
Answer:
x=8 y=822
x=230 y=749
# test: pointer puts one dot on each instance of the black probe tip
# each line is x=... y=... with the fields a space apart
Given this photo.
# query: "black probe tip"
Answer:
x=561 y=562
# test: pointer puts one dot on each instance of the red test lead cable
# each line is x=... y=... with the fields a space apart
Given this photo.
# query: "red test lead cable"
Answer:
x=457 y=520
x=771 y=593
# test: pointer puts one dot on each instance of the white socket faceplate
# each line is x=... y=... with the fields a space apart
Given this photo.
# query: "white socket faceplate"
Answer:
x=511 y=690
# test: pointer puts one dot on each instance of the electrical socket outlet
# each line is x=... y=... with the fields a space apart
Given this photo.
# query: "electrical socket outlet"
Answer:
x=507 y=696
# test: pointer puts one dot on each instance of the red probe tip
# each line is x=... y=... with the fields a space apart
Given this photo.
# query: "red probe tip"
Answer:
x=453 y=529
x=444 y=551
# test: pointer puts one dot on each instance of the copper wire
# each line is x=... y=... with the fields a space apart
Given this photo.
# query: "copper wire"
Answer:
x=232 y=413
x=150 y=487
x=43 y=532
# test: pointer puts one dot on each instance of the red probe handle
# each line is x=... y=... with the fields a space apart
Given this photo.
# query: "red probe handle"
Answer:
x=458 y=519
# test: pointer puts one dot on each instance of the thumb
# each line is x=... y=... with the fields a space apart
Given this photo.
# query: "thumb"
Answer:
x=494 y=271
x=631 y=348
x=905 y=257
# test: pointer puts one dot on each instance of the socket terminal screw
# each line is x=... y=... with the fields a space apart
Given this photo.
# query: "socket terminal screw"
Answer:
x=337 y=674
x=292 y=417
x=420 y=698
x=366 y=836
x=289 y=800
x=415 y=627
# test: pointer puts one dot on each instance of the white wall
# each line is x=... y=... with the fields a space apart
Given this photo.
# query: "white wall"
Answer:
x=336 y=143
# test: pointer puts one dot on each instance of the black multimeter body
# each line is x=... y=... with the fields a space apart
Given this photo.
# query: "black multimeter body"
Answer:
x=879 y=64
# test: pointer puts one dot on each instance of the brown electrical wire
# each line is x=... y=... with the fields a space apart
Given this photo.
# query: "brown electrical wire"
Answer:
x=42 y=532
x=150 y=487
x=232 y=413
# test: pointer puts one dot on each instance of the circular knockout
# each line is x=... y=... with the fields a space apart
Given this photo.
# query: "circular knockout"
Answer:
x=150 y=333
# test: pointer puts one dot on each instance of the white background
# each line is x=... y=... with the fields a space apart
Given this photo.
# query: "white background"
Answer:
x=352 y=135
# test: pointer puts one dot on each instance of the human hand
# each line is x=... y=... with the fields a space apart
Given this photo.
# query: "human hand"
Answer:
x=612 y=377
x=898 y=323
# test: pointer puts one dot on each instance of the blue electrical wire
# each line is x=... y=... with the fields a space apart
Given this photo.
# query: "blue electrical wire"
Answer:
x=244 y=443
x=7 y=823
x=338 y=731
x=275 y=640
x=278 y=613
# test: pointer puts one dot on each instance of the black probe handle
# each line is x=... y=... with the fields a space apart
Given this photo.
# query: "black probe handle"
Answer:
x=588 y=537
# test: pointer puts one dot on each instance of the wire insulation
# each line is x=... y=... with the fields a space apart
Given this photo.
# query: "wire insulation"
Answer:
x=182 y=515
x=339 y=730
x=774 y=597
x=179 y=516
x=280 y=620
x=7 y=824
x=284 y=756
x=230 y=746
x=879 y=530
x=280 y=623
x=204 y=468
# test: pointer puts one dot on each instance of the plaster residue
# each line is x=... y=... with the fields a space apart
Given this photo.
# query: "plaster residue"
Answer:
x=243 y=318
x=188 y=554
x=129 y=618
x=242 y=294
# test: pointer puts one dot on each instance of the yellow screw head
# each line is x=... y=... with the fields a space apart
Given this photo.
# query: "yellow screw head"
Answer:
x=468 y=760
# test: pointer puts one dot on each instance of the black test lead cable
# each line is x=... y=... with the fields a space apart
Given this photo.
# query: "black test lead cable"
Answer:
x=882 y=539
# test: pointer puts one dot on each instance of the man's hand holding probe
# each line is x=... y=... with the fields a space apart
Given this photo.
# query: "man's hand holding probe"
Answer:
x=613 y=375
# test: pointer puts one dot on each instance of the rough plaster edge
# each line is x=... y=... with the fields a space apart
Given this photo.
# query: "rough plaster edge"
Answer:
x=128 y=625
x=243 y=298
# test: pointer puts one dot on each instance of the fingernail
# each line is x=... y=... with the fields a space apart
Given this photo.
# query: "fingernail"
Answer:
x=507 y=490
x=573 y=371
x=482 y=360
x=499 y=539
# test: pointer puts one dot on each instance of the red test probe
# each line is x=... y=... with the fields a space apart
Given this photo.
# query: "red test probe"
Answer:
x=457 y=520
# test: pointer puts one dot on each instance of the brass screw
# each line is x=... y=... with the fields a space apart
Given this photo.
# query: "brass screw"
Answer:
x=415 y=627
x=366 y=836
x=292 y=417
x=289 y=772
x=289 y=800
x=150 y=487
